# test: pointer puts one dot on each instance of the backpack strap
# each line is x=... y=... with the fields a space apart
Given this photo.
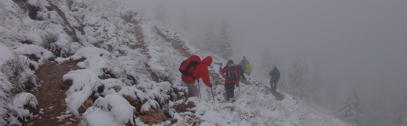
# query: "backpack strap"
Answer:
x=189 y=66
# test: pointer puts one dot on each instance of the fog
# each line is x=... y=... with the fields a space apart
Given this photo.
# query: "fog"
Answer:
x=351 y=45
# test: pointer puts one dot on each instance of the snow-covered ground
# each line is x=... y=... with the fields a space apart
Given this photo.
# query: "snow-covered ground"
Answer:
x=130 y=69
x=257 y=106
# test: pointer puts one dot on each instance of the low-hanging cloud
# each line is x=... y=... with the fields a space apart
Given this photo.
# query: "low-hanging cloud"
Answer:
x=350 y=43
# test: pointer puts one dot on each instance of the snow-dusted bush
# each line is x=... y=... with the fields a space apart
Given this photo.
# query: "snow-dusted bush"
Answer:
x=21 y=103
x=34 y=55
x=104 y=34
x=116 y=106
x=14 y=77
x=97 y=117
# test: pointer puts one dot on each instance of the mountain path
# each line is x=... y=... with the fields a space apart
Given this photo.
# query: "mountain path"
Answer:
x=51 y=95
x=275 y=93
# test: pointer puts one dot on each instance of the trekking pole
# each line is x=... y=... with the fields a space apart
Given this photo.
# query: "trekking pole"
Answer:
x=213 y=96
x=199 y=89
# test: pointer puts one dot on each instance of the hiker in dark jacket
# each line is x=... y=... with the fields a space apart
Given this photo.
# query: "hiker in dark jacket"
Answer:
x=246 y=66
x=232 y=74
x=274 y=77
x=194 y=71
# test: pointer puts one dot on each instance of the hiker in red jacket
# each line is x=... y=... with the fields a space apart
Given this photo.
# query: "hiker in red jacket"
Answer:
x=232 y=74
x=193 y=69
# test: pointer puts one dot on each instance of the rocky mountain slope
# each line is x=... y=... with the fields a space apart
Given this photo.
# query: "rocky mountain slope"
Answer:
x=97 y=63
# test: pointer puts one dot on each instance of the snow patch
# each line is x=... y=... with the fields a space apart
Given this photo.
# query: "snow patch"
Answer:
x=97 y=117
x=84 y=81
x=121 y=110
x=20 y=101
x=254 y=106
x=38 y=51
x=113 y=109
x=6 y=54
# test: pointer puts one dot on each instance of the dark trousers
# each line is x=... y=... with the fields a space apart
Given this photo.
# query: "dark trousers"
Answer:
x=230 y=88
x=273 y=83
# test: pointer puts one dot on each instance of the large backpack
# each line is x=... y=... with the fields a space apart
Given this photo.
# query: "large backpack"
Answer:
x=249 y=68
x=233 y=72
x=187 y=65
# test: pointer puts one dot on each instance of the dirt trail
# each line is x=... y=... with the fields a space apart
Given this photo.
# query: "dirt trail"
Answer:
x=51 y=95
x=278 y=95
x=275 y=93
x=176 y=43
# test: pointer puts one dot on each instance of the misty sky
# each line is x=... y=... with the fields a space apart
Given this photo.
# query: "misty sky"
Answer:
x=349 y=42
x=340 y=38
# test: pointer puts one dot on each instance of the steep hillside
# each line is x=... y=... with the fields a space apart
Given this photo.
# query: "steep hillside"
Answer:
x=118 y=55
x=96 y=63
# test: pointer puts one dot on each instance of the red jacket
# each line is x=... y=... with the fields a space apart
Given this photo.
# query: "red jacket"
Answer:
x=200 y=72
x=223 y=71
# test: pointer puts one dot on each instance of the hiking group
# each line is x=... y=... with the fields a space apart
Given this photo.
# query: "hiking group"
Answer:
x=194 y=69
x=232 y=74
